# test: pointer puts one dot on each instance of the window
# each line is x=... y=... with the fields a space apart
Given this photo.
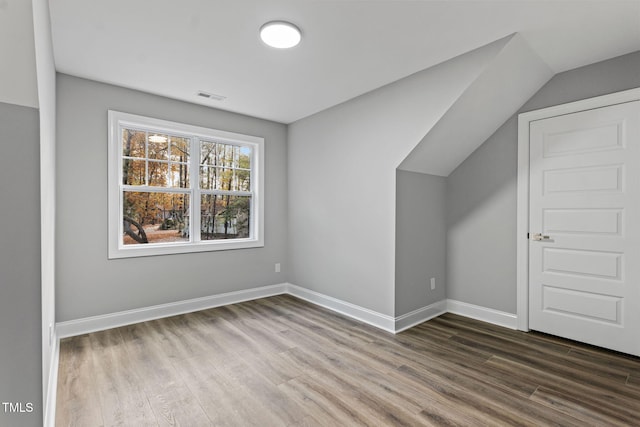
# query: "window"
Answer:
x=176 y=188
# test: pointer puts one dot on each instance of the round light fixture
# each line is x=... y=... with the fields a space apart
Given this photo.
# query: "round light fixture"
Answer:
x=280 y=34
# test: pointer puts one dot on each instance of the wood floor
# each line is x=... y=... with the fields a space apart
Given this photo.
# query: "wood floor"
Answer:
x=280 y=361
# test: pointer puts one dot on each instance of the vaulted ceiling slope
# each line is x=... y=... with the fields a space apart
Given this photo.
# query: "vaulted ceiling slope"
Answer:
x=177 y=48
x=507 y=81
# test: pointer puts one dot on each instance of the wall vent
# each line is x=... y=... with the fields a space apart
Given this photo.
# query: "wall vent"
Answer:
x=212 y=96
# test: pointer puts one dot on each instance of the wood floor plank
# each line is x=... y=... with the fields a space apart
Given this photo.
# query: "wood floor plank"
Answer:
x=260 y=391
x=205 y=327
x=222 y=399
x=589 y=414
x=77 y=387
x=170 y=399
x=272 y=366
x=226 y=335
x=268 y=340
x=347 y=380
x=512 y=347
x=324 y=331
x=447 y=393
x=419 y=341
x=634 y=381
x=604 y=397
x=558 y=367
x=326 y=406
x=460 y=323
x=281 y=361
x=468 y=327
x=122 y=400
x=501 y=403
x=436 y=360
x=612 y=360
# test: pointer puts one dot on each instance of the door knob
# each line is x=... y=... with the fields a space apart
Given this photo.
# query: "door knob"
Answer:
x=539 y=237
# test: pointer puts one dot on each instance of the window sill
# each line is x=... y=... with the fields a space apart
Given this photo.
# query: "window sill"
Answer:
x=135 y=251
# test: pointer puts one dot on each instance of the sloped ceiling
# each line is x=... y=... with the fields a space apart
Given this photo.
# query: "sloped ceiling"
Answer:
x=506 y=82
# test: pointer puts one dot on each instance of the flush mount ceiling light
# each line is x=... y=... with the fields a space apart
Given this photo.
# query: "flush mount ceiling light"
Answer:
x=280 y=34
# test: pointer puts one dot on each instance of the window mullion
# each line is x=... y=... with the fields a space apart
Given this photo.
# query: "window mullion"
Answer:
x=255 y=194
x=227 y=193
x=146 y=158
x=194 y=165
x=145 y=189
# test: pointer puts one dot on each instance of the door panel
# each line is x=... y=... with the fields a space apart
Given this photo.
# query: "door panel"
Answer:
x=605 y=265
x=588 y=305
x=579 y=141
x=580 y=180
x=584 y=278
x=582 y=221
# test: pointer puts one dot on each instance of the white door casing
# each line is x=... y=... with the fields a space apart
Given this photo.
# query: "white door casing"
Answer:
x=584 y=192
x=579 y=184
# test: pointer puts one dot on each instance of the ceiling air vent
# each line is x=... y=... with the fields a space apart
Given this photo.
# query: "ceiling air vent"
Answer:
x=212 y=96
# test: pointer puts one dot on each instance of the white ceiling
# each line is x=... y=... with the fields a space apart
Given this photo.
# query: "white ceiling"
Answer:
x=176 y=48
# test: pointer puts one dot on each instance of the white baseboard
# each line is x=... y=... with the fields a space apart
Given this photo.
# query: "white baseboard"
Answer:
x=113 y=320
x=373 y=318
x=484 y=314
x=52 y=384
x=420 y=315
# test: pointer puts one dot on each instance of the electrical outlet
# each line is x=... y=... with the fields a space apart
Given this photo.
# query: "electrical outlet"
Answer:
x=433 y=283
x=277 y=267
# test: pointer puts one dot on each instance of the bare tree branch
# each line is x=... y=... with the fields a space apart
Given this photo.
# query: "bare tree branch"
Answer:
x=140 y=236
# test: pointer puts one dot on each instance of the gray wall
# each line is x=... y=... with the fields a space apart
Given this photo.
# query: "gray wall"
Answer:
x=18 y=69
x=87 y=283
x=481 y=192
x=421 y=238
x=342 y=171
x=20 y=339
x=481 y=222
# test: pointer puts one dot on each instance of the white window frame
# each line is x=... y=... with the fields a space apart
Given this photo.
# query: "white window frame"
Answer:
x=119 y=121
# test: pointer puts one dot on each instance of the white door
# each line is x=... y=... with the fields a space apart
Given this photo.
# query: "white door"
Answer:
x=584 y=241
